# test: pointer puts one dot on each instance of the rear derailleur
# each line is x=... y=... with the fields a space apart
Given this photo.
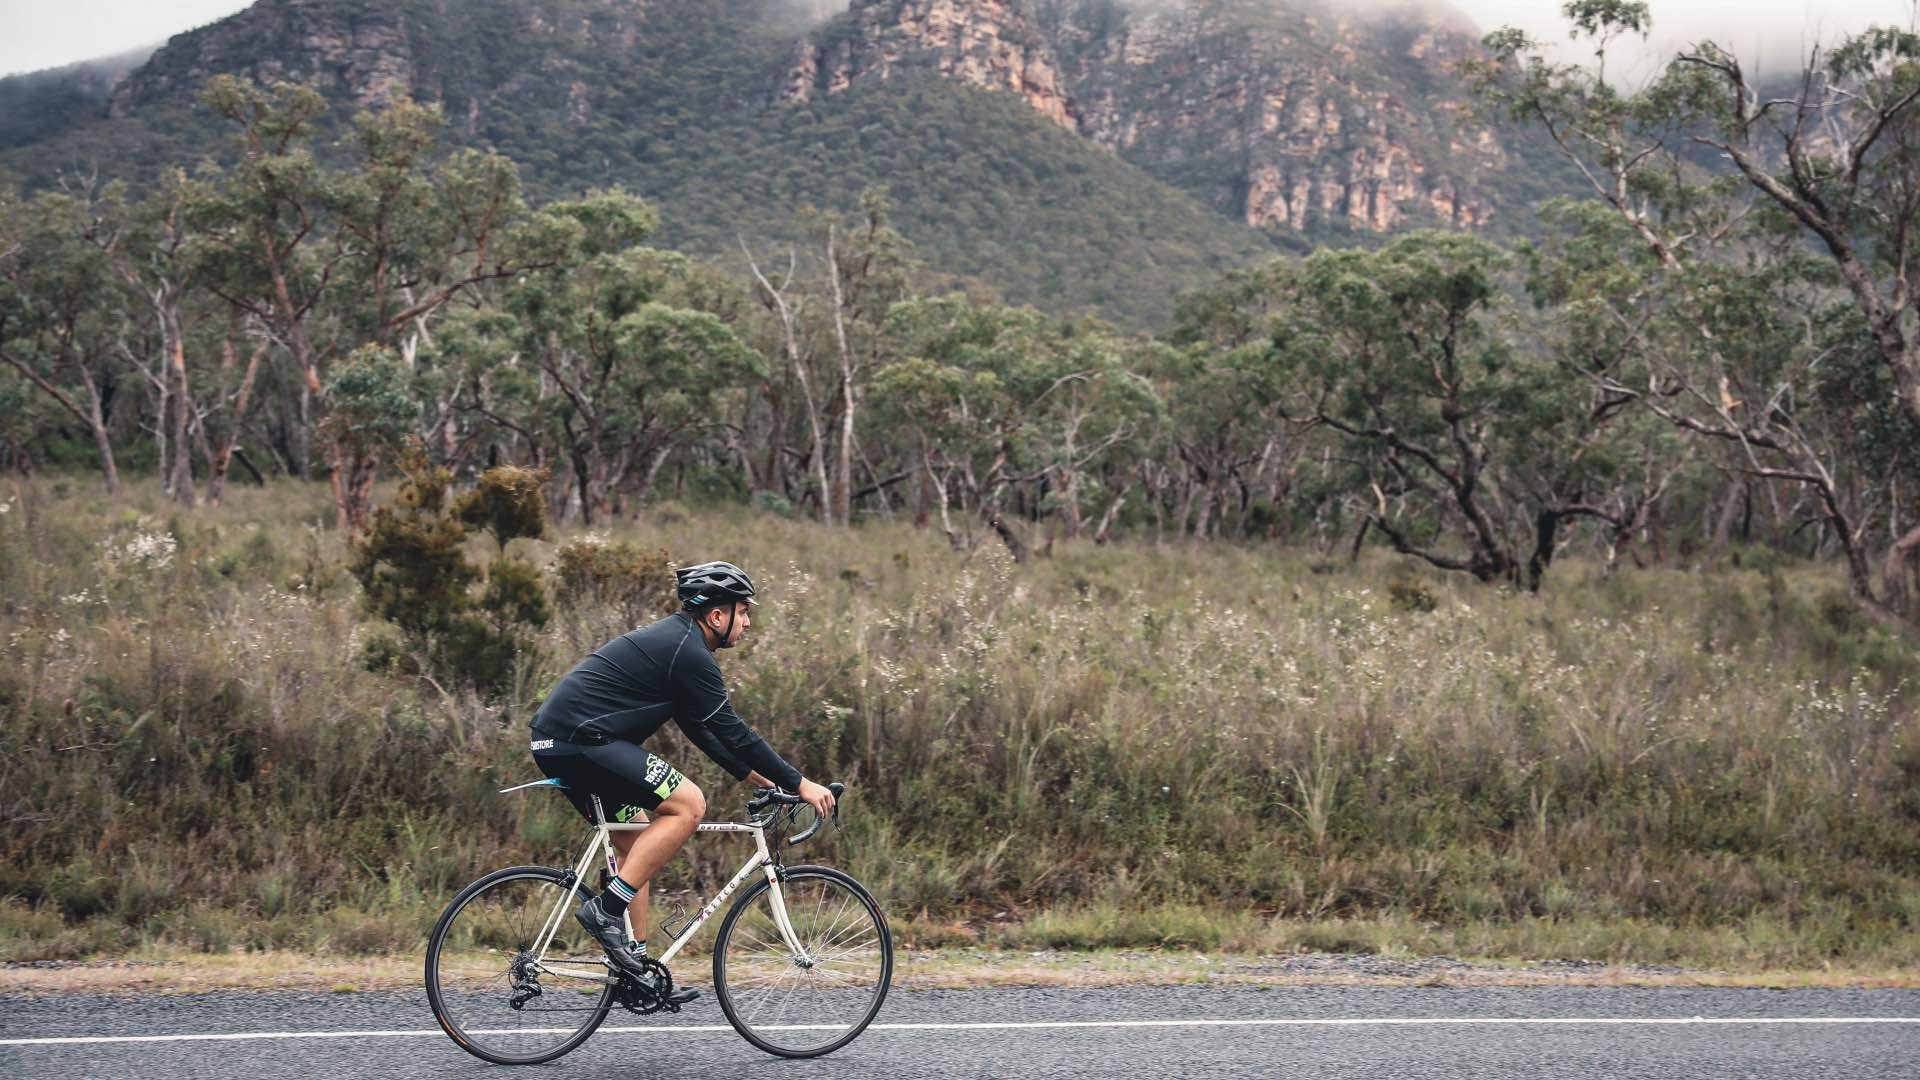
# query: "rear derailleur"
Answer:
x=525 y=979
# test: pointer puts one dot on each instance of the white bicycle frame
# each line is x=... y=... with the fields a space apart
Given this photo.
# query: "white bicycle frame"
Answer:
x=601 y=843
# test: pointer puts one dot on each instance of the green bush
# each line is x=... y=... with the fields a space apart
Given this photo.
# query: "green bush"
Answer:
x=414 y=573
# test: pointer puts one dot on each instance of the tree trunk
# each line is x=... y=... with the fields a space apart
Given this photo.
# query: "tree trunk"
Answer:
x=338 y=480
x=97 y=422
x=223 y=457
x=843 y=467
x=247 y=464
x=1546 y=533
x=105 y=446
x=1015 y=546
x=1103 y=532
x=300 y=438
x=1900 y=576
x=1070 y=503
x=1723 y=525
x=182 y=479
x=651 y=474
x=922 y=499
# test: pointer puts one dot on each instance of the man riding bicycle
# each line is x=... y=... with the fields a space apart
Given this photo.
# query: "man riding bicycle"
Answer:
x=587 y=736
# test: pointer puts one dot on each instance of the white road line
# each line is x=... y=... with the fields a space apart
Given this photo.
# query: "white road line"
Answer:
x=1038 y=1025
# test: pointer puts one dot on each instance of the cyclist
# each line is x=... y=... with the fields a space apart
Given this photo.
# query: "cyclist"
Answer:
x=587 y=735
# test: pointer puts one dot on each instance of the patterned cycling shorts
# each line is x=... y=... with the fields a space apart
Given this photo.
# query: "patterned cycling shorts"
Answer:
x=629 y=780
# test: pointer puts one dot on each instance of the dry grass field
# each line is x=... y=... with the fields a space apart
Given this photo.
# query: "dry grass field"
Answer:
x=1212 y=748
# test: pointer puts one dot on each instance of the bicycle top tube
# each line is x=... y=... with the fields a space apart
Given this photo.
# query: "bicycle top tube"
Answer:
x=763 y=810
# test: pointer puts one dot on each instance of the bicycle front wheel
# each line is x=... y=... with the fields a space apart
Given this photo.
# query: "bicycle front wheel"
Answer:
x=814 y=1001
x=491 y=993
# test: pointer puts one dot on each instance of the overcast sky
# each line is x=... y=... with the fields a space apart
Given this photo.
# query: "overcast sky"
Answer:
x=38 y=34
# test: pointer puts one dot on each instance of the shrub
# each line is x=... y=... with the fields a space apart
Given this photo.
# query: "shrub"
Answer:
x=606 y=588
x=1407 y=595
x=414 y=573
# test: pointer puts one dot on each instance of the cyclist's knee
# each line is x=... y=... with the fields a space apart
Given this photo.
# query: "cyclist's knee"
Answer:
x=687 y=801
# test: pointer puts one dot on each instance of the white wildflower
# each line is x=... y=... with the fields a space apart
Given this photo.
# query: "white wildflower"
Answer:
x=146 y=550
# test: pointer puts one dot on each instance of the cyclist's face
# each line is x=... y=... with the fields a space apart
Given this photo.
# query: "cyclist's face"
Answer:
x=742 y=618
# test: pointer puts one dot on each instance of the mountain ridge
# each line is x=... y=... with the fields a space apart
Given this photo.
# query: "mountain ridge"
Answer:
x=1289 y=123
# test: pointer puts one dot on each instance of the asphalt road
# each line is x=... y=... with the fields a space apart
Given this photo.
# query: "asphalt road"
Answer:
x=1206 y=1031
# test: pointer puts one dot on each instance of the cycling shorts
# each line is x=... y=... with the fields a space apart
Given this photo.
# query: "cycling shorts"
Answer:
x=629 y=780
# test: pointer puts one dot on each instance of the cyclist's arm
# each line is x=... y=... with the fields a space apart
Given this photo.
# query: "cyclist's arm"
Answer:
x=706 y=717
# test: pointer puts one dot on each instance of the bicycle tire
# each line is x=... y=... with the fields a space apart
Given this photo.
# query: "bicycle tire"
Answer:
x=494 y=948
x=835 y=917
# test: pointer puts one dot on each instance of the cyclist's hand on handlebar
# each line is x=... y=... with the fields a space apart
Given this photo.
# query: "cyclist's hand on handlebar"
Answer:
x=817 y=797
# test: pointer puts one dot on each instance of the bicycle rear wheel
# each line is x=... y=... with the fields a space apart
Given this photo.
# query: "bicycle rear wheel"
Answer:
x=809 y=1004
x=486 y=987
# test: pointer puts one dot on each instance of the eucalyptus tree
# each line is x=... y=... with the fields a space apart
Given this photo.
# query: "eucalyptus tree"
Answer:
x=1396 y=351
x=1831 y=166
x=948 y=386
x=55 y=330
x=631 y=377
x=1225 y=386
x=371 y=411
x=419 y=231
x=991 y=402
x=867 y=268
x=234 y=394
x=787 y=305
x=1849 y=140
x=1095 y=408
x=147 y=245
x=262 y=236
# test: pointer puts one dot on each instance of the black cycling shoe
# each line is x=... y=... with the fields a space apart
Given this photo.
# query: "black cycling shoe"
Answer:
x=611 y=933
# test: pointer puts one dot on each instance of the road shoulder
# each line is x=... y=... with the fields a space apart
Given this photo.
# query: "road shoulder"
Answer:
x=950 y=969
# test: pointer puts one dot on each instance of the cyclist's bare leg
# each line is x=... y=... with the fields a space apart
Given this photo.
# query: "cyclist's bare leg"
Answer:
x=650 y=848
x=637 y=910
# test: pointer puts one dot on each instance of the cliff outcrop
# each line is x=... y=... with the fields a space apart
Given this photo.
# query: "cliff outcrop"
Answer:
x=1291 y=118
x=365 y=53
x=1287 y=118
x=986 y=43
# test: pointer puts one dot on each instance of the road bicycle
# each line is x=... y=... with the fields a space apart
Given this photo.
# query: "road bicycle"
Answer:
x=801 y=962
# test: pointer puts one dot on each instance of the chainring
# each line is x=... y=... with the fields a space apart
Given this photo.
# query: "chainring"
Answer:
x=643 y=997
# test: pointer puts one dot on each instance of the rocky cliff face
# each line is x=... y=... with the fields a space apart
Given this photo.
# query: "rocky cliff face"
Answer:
x=987 y=43
x=365 y=53
x=1290 y=118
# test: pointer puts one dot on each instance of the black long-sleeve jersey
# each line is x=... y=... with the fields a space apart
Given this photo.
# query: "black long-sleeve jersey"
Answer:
x=638 y=681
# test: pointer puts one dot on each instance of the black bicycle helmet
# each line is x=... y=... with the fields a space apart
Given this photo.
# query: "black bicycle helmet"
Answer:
x=713 y=583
